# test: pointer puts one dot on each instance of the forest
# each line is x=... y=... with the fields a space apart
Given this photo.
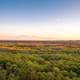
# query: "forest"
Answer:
x=39 y=60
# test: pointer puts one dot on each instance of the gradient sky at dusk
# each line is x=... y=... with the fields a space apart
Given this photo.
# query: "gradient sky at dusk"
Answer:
x=48 y=19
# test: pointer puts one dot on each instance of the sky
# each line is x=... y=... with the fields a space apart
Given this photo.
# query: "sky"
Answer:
x=40 y=19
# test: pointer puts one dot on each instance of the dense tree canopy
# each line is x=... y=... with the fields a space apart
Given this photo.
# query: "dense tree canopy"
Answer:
x=40 y=63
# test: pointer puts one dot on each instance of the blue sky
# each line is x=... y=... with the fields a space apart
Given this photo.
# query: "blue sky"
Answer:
x=54 y=19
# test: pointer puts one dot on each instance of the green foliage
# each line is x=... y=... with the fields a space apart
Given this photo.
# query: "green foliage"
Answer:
x=43 y=65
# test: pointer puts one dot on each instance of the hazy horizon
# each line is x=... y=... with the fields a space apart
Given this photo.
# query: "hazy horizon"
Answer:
x=39 y=19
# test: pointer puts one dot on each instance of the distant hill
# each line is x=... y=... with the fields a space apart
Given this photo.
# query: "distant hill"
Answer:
x=23 y=37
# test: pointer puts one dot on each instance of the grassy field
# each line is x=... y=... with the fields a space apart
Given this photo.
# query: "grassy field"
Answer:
x=39 y=60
